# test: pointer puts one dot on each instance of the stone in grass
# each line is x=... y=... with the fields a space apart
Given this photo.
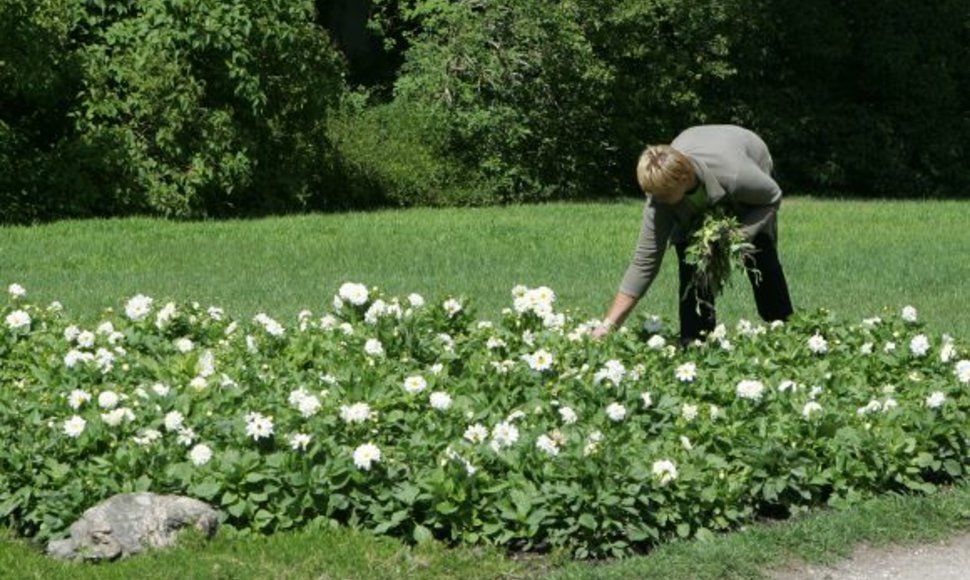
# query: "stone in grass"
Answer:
x=130 y=523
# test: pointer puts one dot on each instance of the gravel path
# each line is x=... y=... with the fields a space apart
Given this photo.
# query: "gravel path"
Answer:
x=944 y=560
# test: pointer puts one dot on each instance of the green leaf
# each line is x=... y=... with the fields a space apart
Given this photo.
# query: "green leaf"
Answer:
x=587 y=521
x=205 y=490
x=422 y=534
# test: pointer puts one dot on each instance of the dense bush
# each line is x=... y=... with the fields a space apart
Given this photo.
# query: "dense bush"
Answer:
x=412 y=418
x=219 y=107
x=522 y=96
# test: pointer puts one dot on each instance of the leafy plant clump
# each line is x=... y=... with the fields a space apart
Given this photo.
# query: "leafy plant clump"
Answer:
x=413 y=418
x=716 y=249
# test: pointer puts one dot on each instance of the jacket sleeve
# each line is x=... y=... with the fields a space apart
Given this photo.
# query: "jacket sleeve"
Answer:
x=658 y=221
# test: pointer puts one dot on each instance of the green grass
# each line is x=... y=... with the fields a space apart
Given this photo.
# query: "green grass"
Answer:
x=851 y=257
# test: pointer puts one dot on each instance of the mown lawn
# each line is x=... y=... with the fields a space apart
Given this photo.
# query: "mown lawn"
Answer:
x=853 y=258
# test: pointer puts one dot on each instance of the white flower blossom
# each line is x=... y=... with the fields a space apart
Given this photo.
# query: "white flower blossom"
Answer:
x=259 y=426
x=686 y=372
x=817 y=344
x=962 y=371
x=889 y=347
x=646 y=398
x=147 y=437
x=440 y=401
x=184 y=345
x=165 y=316
x=74 y=426
x=688 y=411
x=872 y=406
x=612 y=371
x=78 y=398
x=366 y=455
x=18 y=320
x=415 y=384
x=685 y=443
x=299 y=441
x=114 y=417
x=545 y=444
x=200 y=455
x=476 y=433
x=616 y=412
x=665 y=470
x=271 y=326
x=919 y=345
x=354 y=293
x=174 y=421
x=541 y=360
x=504 y=434
x=108 y=399
x=909 y=314
x=866 y=348
x=568 y=415
x=656 y=342
x=415 y=300
x=494 y=343
x=356 y=413
x=935 y=400
x=810 y=409
x=373 y=347
x=452 y=307
x=161 y=389
x=750 y=389
x=138 y=307
x=16 y=291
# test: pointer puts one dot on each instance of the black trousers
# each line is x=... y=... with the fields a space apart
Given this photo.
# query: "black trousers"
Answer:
x=770 y=292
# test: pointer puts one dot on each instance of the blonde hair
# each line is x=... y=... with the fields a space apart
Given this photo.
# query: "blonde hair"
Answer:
x=660 y=168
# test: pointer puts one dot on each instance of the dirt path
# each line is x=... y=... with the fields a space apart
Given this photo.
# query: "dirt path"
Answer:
x=944 y=560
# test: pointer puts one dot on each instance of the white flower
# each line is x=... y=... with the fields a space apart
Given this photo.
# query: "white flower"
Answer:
x=78 y=398
x=653 y=324
x=108 y=399
x=354 y=293
x=613 y=371
x=356 y=413
x=138 y=307
x=646 y=398
x=872 y=406
x=373 y=347
x=871 y=322
x=817 y=344
x=750 y=389
x=541 y=360
x=688 y=411
x=147 y=437
x=258 y=426
x=810 y=408
x=935 y=400
x=174 y=421
x=366 y=455
x=476 y=433
x=215 y=313
x=272 y=327
x=504 y=434
x=515 y=415
x=592 y=443
x=716 y=412
x=719 y=333
x=85 y=339
x=909 y=314
x=889 y=403
x=947 y=349
x=815 y=392
x=866 y=348
x=415 y=300
x=685 y=443
x=114 y=417
x=16 y=291
x=165 y=315
x=962 y=371
x=18 y=319
x=787 y=385
x=436 y=369
x=198 y=383
x=686 y=372
x=415 y=384
x=452 y=307
x=446 y=341
x=494 y=343
x=665 y=470
x=919 y=345
x=568 y=415
x=545 y=444
x=440 y=401
x=307 y=404
x=184 y=345
x=348 y=329
x=200 y=454
x=71 y=333
x=890 y=347
x=161 y=389
x=299 y=441
x=185 y=436
x=656 y=342
x=615 y=411
x=75 y=356
x=74 y=426
x=376 y=310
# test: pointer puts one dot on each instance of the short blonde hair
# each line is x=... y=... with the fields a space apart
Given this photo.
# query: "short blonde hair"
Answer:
x=660 y=168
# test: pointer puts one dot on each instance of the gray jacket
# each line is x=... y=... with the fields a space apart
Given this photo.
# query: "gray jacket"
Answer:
x=734 y=165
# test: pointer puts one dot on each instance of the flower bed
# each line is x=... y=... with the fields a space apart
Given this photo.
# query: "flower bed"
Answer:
x=417 y=420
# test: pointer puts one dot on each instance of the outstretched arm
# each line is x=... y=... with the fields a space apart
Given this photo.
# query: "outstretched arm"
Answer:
x=620 y=309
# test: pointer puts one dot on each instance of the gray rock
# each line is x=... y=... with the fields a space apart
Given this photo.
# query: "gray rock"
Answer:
x=129 y=523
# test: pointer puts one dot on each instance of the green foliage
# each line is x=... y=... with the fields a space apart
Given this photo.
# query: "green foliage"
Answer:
x=546 y=437
x=716 y=249
x=217 y=107
x=520 y=91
